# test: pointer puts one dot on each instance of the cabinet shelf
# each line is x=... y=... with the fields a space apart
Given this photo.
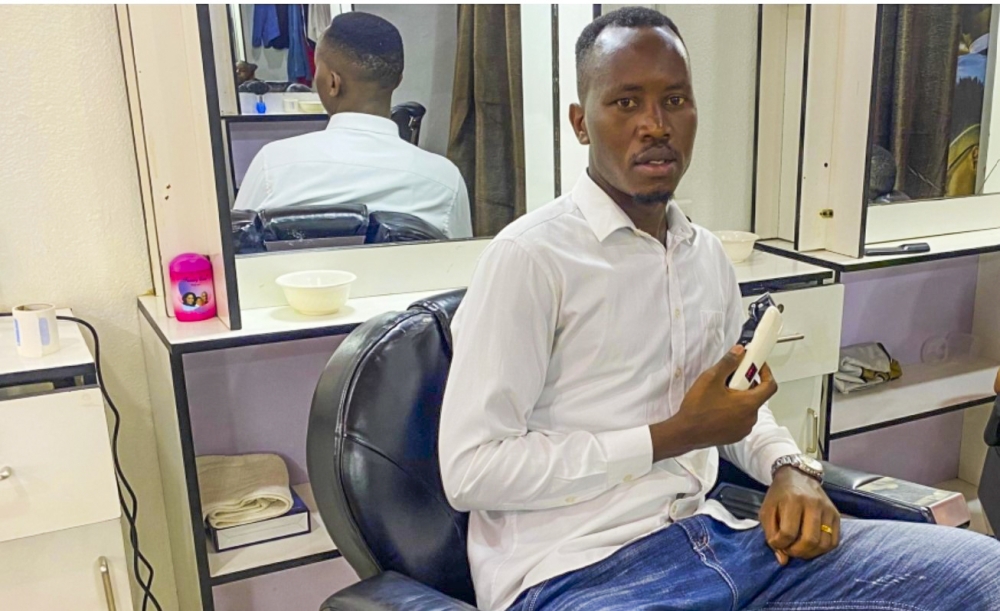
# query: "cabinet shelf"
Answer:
x=247 y=562
x=924 y=390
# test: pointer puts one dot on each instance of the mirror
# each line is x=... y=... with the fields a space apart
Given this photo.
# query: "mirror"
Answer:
x=426 y=139
x=928 y=117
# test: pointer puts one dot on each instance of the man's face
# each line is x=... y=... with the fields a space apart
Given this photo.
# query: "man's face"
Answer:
x=639 y=114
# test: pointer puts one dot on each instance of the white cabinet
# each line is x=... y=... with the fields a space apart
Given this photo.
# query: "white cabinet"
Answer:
x=61 y=541
x=61 y=570
x=797 y=407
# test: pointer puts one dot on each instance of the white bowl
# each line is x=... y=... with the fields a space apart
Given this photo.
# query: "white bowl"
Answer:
x=738 y=244
x=311 y=107
x=316 y=292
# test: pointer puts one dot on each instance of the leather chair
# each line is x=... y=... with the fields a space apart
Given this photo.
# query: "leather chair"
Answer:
x=989 y=486
x=373 y=463
x=387 y=226
x=247 y=231
x=295 y=227
x=408 y=116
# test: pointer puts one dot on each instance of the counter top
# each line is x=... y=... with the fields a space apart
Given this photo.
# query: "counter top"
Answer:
x=942 y=247
x=762 y=272
x=72 y=359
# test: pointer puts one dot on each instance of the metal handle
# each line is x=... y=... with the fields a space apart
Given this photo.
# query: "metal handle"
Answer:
x=814 y=437
x=798 y=337
x=5 y=473
x=109 y=593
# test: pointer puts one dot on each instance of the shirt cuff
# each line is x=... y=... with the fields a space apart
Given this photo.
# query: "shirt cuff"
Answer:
x=763 y=462
x=629 y=453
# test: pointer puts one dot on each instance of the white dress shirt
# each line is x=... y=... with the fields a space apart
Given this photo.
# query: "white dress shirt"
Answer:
x=358 y=159
x=578 y=331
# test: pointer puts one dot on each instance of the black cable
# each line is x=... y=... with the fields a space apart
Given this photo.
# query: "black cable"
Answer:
x=131 y=513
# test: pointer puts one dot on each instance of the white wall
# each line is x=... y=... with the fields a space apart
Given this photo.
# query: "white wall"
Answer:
x=72 y=230
x=430 y=41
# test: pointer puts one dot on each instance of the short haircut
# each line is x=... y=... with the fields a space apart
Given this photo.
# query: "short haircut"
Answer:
x=627 y=17
x=371 y=43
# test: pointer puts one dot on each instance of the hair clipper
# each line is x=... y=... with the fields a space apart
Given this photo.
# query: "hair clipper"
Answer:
x=759 y=336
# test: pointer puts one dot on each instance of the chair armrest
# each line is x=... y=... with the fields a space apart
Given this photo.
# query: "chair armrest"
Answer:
x=391 y=591
x=855 y=494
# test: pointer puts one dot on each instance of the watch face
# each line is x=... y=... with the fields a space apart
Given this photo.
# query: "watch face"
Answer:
x=811 y=463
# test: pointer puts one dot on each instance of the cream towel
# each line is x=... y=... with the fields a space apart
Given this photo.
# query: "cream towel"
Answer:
x=238 y=490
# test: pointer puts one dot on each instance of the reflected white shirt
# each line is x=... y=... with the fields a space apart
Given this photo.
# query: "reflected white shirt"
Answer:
x=358 y=159
x=577 y=332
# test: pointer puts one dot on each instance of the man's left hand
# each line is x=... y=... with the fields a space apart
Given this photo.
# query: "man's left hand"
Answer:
x=796 y=515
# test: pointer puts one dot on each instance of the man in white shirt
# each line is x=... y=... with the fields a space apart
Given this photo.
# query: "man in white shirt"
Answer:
x=587 y=407
x=359 y=158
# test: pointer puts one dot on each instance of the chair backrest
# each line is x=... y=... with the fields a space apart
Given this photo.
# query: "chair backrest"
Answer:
x=407 y=117
x=372 y=449
x=385 y=226
x=293 y=227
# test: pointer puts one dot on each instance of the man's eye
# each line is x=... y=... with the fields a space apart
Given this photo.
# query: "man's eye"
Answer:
x=626 y=103
x=676 y=100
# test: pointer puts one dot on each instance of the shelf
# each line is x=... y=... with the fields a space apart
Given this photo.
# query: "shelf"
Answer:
x=73 y=358
x=247 y=562
x=269 y=325
x=942 y=247
x=275 y=118
x=923 y=391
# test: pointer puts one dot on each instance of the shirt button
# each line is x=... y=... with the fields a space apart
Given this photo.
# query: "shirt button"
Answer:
x=570 y=500
x=678 y=372
x=628 y=478
x=677 y=313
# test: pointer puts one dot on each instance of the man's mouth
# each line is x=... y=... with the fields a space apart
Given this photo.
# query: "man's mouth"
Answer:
x=655 y=161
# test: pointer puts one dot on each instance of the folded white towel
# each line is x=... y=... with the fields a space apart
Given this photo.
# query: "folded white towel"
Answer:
x=238 y=490
x=863 y=366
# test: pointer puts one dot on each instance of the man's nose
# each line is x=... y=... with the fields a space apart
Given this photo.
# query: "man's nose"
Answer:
x=655 y=122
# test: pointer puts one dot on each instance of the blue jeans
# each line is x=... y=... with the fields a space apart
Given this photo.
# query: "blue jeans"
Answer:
x=699 y=564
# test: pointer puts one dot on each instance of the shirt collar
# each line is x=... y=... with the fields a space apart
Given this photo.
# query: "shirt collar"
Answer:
x=363 y=122
x=605 y=216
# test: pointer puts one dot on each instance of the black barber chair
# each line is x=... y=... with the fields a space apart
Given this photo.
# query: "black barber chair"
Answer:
x=989 y=483
x=247 y=231
x=387 y=226
x=408 y=116
x=373 y=464
x=295 y=227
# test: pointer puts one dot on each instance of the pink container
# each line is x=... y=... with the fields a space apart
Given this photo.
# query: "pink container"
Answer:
x=192 y=288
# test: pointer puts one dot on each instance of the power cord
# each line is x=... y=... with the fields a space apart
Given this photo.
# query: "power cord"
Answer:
x=131 y=512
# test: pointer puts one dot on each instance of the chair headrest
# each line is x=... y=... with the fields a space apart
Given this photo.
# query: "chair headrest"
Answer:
x=384 y=226
x=443 y=307
x=308 y=222
x=413 y=109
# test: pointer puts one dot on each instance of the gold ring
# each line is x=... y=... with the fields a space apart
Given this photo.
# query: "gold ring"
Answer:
x=826 y=529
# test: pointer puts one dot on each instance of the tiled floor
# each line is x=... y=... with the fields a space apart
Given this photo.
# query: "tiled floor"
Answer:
x=979 y=523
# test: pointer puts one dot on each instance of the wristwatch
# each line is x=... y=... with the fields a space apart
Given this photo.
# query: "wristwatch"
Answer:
x=805 y=464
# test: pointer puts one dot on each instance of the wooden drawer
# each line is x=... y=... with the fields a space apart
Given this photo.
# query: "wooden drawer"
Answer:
x=812 y=320
x=59 y=459
x=61 y=571
x=797 y=407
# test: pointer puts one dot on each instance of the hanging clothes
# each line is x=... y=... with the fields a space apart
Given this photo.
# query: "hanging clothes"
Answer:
x=298 y=62
x=265 y=24
x=319 y=20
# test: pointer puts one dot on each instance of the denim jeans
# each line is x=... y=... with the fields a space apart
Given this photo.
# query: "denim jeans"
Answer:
x=699 y=564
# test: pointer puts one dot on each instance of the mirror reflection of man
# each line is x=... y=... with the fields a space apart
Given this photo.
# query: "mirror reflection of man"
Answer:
x=359 y=158
x=587 y=406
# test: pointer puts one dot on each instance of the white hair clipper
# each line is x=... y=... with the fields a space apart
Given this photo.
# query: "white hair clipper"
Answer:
x=759 y=336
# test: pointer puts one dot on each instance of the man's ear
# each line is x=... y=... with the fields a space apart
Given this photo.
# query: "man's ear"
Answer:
x=576 y=119
x=335 y=84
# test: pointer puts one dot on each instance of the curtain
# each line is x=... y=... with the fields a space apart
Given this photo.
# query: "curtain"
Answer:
x=486 y=138
x=915 y=86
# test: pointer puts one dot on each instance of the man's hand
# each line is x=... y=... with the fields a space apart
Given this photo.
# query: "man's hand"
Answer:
x=711 y=414
x=793 y=515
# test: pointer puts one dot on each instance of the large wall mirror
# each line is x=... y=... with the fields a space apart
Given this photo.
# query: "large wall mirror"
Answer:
x=928 y=92
x=426 y=140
